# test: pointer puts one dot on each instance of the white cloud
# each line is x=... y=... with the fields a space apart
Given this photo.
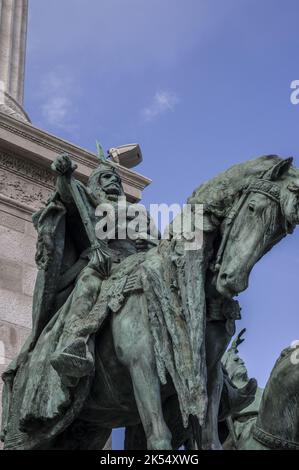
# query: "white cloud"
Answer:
x=162 y=102
x=58 y=108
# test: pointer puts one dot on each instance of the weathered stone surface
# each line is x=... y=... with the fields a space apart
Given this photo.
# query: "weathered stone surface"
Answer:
x=22 y=190
x=11 y=275
x=12 y=222
x=17 y=246
x=26 y=169
x=15 y=308
x=30 y=230
x=28 y=279
x=12 y=337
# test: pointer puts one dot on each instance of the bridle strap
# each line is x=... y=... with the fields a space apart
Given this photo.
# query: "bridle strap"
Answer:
x=273 y=442
x=228 y=226
x=262 y=186
x=266 y=187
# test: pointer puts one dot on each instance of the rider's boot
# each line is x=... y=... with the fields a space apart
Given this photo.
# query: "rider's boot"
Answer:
x=74 y=362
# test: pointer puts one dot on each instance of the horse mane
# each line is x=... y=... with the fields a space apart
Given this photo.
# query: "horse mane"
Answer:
x=218 y=194
x=278 y=413
x=284 y=353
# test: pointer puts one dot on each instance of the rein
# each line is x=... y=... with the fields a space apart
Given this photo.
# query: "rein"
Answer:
x=262 y=186
x=273 y=442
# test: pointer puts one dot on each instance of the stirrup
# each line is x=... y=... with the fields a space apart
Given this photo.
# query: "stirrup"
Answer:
x=74 y=361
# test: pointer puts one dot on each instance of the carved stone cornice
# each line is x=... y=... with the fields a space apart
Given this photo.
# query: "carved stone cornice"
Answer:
x=41 y=148
x=29 y=170
x=47 y=141
x=24 y=182
x=13 y=109
x=22 y=190
x=19 y=209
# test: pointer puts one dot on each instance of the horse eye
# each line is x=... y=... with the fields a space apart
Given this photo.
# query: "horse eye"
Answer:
x=251 y=207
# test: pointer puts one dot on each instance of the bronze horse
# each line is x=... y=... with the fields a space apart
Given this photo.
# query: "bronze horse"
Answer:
x=247 y=210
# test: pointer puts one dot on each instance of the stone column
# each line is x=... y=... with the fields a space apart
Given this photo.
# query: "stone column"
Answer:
x=13 y=33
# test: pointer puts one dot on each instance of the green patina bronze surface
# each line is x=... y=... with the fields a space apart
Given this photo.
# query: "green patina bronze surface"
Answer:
x=132 y=332
x=269 y=422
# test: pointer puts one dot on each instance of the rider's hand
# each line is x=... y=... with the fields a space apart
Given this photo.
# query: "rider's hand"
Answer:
x=63 y=165
x=141 y=244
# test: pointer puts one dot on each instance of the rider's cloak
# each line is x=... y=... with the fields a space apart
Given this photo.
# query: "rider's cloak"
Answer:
x=33 y=394
x=174 y=284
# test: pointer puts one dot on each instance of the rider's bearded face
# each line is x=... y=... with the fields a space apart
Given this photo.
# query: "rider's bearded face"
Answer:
x=110 y=184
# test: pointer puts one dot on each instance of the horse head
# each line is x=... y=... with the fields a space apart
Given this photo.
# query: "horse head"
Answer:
x=266 y=209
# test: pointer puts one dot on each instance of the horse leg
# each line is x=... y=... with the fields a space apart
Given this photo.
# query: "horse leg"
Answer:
x=210 y=438
x=147 y=394
x=134 y=349
x=217 y=340
x=135 y=437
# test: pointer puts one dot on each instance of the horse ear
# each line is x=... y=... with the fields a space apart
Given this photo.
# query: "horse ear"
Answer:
x=278 y=170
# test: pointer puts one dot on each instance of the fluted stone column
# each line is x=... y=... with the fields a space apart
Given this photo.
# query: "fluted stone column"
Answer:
x=13 y=32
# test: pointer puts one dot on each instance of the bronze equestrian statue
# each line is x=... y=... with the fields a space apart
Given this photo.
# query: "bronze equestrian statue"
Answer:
x=123 y=331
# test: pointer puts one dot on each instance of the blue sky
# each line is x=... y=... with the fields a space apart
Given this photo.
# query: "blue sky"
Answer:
x=200 y=85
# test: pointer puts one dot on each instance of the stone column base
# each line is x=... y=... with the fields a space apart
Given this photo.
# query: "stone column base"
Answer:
x=13 y=109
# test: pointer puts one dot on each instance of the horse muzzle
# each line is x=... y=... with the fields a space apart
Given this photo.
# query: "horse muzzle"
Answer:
x=230 y=284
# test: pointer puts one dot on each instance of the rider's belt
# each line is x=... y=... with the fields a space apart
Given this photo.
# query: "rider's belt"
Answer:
x=133 y=284
x=122 y=288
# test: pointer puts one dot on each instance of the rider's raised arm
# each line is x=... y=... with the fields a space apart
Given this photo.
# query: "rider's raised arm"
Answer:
x=64 y=168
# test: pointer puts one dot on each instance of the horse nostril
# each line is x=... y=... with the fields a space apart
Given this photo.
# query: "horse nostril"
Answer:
x=223 y=277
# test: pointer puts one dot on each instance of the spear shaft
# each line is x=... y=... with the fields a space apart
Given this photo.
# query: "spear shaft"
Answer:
x=98 y=246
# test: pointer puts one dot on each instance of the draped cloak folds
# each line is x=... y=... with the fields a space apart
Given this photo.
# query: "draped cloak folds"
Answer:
x=31 y=386
x=174 y=284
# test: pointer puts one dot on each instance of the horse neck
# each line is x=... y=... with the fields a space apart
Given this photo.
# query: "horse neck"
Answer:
x=218 y=194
